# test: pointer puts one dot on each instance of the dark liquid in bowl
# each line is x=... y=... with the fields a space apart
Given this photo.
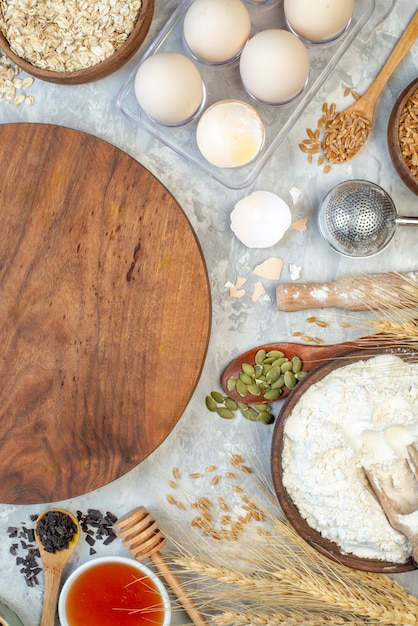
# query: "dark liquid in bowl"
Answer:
x=114 y=593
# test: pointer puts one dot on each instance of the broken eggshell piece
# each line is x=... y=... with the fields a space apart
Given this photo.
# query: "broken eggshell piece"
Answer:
x=261 y=219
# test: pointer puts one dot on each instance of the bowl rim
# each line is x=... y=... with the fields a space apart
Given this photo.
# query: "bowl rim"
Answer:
x=113 y=559
x=393 y=140
x=325 y=546
x=95 y=72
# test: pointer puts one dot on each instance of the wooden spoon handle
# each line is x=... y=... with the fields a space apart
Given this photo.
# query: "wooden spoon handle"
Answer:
x=178 y=589
x=52 y=579
x=348 y=293
x=407 y=39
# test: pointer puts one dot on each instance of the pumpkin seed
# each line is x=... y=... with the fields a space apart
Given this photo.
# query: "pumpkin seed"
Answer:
x=262 y=384
x=250 y=414
x=248 y=369
x=279 y=383
x=266 y=417
x=296 y=364
x=254 y=389
x=273 y=374
x=279 y=361
x=231 y=404
x=241 y=388
x=211 y=404
x=272 y=394
x=247 y=380
x=218 y=397
x=258 y=370
x=231 y=383
x=300 y=375
x=260 y=356
x=225 y=413
x=286 y=367
x=262 y=408
x=290 y=380
x=276 y=353
x=269 y=360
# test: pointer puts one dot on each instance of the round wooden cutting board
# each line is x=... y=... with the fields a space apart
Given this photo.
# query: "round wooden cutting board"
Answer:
x=104 y=309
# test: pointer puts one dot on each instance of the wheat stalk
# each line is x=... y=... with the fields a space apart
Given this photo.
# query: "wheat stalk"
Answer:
x=275 y=577
x=394 y=305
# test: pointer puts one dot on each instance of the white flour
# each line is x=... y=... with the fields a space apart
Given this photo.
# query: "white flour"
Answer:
x=358 y=415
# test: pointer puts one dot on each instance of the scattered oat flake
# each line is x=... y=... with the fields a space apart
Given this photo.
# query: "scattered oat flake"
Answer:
x=300 y=225
x=271 y=268
x=259 y=291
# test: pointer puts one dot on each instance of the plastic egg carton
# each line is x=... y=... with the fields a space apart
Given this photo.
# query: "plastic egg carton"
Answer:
x=224 y=82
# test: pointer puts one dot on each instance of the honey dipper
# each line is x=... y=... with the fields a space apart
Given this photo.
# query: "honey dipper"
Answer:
x=141 y=535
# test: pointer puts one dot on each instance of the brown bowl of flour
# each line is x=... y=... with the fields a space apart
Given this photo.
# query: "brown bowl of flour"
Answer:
x=72 y=43
x=338 y=416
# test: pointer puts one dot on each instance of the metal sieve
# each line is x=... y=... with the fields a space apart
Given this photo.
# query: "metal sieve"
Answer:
x=358 y=218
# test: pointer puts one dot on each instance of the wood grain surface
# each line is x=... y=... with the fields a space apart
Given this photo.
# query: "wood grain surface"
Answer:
x=105 y=313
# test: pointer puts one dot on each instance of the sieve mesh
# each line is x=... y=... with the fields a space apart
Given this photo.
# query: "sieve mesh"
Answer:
x=357 y=218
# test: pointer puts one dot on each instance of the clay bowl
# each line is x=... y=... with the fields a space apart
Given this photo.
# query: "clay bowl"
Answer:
x=95 y=72
x=311 y=536
x=394 y=146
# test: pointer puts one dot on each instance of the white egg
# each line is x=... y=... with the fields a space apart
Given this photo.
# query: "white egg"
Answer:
x=169 y=88
x=216 y=30
x=318 y=20
x=261 y=219
x=230 y=133
x=274 y=66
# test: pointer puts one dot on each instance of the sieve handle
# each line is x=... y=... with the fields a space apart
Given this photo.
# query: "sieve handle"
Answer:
x=342 y=294
x=403 y=220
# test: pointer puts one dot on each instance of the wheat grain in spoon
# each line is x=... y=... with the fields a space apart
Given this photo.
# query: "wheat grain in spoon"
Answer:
x=347 y=132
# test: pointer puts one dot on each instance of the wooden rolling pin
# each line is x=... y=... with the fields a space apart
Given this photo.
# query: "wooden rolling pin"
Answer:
x=353 y=293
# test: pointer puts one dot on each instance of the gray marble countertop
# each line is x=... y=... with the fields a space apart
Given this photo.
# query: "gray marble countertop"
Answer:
x=201 y=437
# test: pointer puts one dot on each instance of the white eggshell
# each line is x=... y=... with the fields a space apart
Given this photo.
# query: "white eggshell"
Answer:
x=216 y=30
x=261 y=219
x=230 y=133
x=318 y=20
x=274 y=66
x=169 y=87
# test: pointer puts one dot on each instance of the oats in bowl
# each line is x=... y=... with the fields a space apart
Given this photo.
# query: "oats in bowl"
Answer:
x=65 y=37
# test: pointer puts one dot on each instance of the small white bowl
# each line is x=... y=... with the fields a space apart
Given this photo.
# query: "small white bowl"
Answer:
x=142 y=570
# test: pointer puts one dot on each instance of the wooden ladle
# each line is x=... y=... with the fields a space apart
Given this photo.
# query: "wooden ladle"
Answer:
x=366 y=104
x=141 y=535
x=399 y=497
x=310 y=355
x=54 y=564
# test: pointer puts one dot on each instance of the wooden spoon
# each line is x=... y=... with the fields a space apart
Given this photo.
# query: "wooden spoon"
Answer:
x=141 y=535
x=365 y=106
x=54 y=564
x=310 y=355
x=399 y=497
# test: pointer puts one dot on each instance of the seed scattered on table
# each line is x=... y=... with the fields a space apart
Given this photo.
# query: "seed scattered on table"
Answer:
x=11 y=86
